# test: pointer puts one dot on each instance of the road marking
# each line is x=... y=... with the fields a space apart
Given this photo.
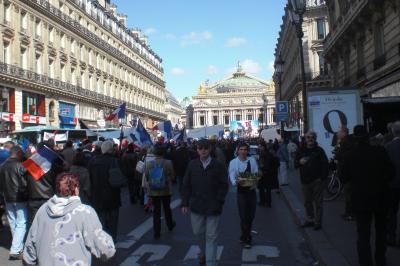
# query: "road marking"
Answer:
x=256 y=265
x=136 y=234
x=158 y=253
x=266 y=251
x=194 y=252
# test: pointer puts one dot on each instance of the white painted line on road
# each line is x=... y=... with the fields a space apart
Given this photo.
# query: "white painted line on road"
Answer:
x=266 y=251
x=256 y=265
x=194 y=251
x=158 y=253
x=136 y=234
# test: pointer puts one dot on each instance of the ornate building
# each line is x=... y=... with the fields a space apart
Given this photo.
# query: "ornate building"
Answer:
x=287 y=51
x=363 y=49
x=173 y=110
x=68 y=61
x=239 y=97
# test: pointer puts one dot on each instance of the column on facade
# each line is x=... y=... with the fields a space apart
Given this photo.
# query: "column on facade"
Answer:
x=221 y=117
x=194 y=119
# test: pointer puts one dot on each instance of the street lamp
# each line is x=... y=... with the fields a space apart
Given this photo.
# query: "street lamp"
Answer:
x=296 y=11
x=279 y=71
x=265 y=105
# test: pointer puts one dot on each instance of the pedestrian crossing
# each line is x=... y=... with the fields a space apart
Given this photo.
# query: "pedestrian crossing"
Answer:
x=150 y=254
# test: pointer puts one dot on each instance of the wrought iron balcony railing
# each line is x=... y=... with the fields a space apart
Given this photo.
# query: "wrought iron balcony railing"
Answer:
x=64 y=87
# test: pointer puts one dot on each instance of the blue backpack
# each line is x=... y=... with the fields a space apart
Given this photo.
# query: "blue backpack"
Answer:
x=157 y=179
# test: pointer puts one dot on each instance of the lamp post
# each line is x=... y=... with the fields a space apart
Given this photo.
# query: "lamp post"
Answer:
x=265 y=105
x=296 y=11
x=279 y=71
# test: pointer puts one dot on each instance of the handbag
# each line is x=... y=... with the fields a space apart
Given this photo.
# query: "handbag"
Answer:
x=115 y=176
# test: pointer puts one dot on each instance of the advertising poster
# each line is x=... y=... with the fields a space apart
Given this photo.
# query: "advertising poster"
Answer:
x=328 y=111
x=245 y=127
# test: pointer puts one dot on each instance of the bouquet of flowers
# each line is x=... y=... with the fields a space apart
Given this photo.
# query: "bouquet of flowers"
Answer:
x=248 y=179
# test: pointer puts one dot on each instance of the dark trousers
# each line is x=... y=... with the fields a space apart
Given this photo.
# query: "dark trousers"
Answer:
x=179 y=179
x=392 y=215
x=109 y=221
x=364 y=221
x=33 y=207
x=313 y=198
x=165 y=200
x=265 y=195
x=247 y=201
x=347 y=193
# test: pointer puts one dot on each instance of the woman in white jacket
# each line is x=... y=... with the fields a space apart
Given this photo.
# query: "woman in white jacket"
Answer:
x=65 y=231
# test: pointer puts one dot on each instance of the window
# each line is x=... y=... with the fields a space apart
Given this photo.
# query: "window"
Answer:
x=322 y=64
x=379 y=40
x=215 y=120
x=249 y=117
x=62 y=41
x=23 y=58
x=38 y=28
x=202 y=121
x=63 y=72
x=82 y=51
x=73 y=76
x=226 y=120
x=7 y=13
x=30 y=103
x=6 y=52
x=38 y=58
x=24 y=21
x=321 y=28
x=238 y=117
x=73 y=47
x=51 y=68
x=51 y=34
x=5 y=95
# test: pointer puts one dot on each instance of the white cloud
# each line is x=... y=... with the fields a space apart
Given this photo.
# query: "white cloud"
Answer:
x=271 y=67
x=195 y=37
x=235 y=42
x=170 y=36
x=177 y=71
x=212 y=70
x=150 y=31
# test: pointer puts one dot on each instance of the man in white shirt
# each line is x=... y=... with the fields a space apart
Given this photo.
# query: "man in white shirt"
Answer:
x=246 y=196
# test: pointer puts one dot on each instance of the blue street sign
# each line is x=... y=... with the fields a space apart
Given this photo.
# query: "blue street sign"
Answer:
x=282 y=117
x=282 y=107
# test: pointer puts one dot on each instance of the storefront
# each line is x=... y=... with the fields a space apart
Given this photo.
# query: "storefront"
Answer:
x=67 y=115
x=33 y=109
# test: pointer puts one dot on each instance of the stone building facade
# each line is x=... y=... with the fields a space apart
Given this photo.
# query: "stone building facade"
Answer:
x=363 y=49
x=68 y=63
x=239 y=97
x=289 y=82
x=173 y=110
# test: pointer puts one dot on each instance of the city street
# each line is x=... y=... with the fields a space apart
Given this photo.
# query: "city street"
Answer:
x=277 y=240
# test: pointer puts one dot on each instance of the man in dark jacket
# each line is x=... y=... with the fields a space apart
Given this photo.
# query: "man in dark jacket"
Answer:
x=13 y=186
x=128 y=163
x=41 y=190
x=106 y=200
x=313 y=164
x=368 y=169
x=205 y=186
x=180 y=159
x=393 y=149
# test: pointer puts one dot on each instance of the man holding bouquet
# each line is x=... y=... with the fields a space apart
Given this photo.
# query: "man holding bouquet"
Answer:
x=243 y=173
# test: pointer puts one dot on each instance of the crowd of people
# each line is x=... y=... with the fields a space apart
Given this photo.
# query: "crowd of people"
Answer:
x=75 y=204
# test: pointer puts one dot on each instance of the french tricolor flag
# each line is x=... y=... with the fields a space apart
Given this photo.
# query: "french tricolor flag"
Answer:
x=119 y=112
x=40 y=162
x=165 y=126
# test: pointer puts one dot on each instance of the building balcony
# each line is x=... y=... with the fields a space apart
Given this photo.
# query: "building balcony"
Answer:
x=63 y=88
x=49 y=10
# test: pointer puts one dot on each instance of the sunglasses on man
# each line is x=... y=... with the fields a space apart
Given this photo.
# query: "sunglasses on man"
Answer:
x=202 y=148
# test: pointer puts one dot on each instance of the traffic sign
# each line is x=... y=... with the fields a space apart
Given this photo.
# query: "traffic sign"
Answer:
x=282 y=117
x=282 y=107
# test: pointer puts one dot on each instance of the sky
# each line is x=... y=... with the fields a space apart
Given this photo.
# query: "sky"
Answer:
x=202 y=40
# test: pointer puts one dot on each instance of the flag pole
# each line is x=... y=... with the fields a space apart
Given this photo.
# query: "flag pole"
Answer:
x=121 y=134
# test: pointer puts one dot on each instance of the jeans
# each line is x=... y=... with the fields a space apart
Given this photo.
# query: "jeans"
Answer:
x=247 y=201
x=165 y=201
x=205 y=229
x=313 y=197
x=17 y=214
x=364 y=221
x=109 y=221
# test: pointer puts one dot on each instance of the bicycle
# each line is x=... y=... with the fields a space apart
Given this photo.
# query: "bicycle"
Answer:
x=333 y=186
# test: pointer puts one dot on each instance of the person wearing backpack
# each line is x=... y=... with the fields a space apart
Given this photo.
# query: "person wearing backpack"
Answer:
x=159 y=174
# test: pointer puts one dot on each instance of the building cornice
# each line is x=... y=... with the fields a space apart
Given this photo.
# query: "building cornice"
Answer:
x=14 y=75
x=73 y=25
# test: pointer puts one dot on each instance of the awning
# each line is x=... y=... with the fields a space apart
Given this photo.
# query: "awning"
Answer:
x=88 y=124
x=380 y=100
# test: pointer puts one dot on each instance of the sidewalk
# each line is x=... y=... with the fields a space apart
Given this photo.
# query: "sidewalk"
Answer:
x=335 y=244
